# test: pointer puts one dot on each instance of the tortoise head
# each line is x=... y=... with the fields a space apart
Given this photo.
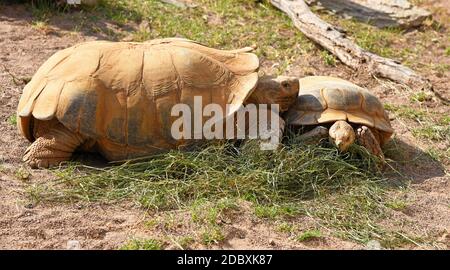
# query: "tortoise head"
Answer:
x=342 y=135
x=281 y=90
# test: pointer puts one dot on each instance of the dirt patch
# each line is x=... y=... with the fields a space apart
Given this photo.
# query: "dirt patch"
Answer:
x=24 y=46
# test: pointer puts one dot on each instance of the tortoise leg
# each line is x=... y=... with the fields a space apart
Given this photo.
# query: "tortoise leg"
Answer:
x=368 y=140
x=314 y=135
x=52 y=147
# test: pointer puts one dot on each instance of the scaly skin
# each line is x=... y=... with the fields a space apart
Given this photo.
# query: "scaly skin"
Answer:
x=342 y=135
x=368 y=140
x=52 y=147
x=315 y=135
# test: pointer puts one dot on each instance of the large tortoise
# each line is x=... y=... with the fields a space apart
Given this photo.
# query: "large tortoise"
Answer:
x=342 y=106
x=116 y=97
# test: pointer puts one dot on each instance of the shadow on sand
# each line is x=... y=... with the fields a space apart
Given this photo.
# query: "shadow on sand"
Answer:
x=412 y=162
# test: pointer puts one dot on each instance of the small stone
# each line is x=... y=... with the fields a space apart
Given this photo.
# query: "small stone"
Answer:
x=73 y=245
x=240 y=234
x=272 y=242
x=373 y=245
x=29 y=206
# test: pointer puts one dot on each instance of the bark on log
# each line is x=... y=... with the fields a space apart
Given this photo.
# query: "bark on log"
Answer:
x=335 y=41
x=381 y=13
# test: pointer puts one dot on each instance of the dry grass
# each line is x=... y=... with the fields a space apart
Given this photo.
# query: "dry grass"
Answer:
x=343 y=192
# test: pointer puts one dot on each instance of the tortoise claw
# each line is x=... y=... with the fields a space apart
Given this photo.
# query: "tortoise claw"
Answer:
x=367 y=139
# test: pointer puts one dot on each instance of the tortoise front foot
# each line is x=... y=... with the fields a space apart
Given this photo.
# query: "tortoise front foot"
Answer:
x=367 y=139
x=315 y=135
x=51 y=148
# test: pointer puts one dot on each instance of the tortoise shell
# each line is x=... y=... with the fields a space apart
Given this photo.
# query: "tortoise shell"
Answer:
x=120 y=94
x=324 y=99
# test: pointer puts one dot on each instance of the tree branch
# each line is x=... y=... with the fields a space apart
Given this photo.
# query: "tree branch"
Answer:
x=335 y=41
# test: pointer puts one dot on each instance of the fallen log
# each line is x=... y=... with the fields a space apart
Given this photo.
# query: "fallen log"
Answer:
x=381 y=13
x=334 y=40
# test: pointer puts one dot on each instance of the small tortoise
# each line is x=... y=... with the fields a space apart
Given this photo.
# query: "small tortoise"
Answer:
x=116 y=97
x=328 y=100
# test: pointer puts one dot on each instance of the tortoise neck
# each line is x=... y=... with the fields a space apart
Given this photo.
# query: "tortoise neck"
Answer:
x=257 y=96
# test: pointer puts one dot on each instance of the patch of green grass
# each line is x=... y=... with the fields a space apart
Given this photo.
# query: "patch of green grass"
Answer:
x=368 y=37
x=434 y=154
x=309 y=235
x=353 y=214
x=142 y=244
x=432 y=126
x=226 y=24
x=285 y=227
x=402 y=239
x=441 y=68
x=275 y=211
x=433 y=132
x=12 y=120
x=166 y=221
x=152 y=223
x=328 y=58
x=447 y=51
x=209 y=216
x=124 y=11
x=405 y=111
x=141 y=35
x=212 y=235
x=40 y=25
x=421 y=97
x=397 y=204
x=42 y=10
x=2 y=168
x=186 y=241
x=445 y=120
x=209 y=213
x=22 y=174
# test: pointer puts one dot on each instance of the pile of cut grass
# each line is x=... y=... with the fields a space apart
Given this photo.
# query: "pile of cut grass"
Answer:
x=175 y=179
x=343 y=192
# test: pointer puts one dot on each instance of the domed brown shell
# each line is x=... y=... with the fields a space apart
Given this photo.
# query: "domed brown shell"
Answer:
x=324 y=99
x=120 y=94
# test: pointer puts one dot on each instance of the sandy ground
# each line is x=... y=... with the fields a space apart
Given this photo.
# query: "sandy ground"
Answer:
x=24 y=48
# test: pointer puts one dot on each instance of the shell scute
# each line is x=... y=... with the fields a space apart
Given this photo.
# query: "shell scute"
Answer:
x=311 y=101
x=330 y=115
x=121 y=94
x=328 y=99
